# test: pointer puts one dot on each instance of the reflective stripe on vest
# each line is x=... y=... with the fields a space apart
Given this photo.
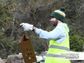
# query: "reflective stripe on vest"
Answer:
x=59 y=47
x=55 y=55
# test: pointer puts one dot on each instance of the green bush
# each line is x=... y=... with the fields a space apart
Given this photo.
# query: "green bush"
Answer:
x=7 y=46
x=76 y=42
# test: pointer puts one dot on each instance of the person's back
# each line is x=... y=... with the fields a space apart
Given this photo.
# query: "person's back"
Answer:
x=59 y=46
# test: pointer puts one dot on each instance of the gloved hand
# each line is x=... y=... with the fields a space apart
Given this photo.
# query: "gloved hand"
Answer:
x=27 y=26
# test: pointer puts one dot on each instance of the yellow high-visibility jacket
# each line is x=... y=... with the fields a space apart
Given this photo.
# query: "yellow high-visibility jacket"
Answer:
x=55 y=48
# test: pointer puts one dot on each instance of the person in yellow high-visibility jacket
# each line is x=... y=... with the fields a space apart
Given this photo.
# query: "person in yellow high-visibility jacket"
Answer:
x=59 y=36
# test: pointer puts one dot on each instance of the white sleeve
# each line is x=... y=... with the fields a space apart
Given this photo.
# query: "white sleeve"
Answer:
x=54 y=34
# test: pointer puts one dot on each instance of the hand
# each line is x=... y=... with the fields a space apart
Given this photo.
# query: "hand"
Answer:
x=26 y=26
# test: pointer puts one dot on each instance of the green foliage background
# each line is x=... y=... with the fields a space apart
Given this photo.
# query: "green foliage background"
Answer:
x=13 y=12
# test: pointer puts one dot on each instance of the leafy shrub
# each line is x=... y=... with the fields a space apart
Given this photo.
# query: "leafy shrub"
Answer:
x=7 y=46
x=76 y=42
